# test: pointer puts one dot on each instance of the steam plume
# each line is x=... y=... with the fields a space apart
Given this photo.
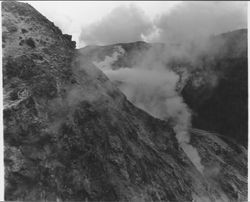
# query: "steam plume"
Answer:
x=187 y=21
x=151 y=86
x=122 y=24
x=194 y=21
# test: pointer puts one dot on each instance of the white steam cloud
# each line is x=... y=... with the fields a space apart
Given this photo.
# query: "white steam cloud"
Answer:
x=151 y=86
x=122 y=24
x=192 y=21
x=187 y=21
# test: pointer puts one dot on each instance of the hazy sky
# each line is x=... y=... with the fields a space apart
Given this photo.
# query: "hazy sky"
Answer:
x=107 y=22
x=72 y=16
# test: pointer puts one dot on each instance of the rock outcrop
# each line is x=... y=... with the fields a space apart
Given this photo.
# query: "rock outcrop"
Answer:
x=70 y=134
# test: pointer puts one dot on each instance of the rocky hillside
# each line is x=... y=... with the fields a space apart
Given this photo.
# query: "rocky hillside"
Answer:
x=222 y=107
x=213 y=78
x=70 y=134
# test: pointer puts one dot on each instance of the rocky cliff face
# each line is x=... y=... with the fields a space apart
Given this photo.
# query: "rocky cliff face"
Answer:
x=70 y=134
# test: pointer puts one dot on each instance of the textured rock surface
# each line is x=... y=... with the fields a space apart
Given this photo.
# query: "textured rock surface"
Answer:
x=70 y=134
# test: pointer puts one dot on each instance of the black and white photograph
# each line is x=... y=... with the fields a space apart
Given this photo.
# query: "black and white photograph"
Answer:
x=125 y=101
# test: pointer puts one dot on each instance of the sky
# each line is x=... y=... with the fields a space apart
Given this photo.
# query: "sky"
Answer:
x=72 y=16
x=108 y=22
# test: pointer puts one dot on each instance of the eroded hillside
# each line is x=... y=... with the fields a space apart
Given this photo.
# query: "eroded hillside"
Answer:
x=70 y=134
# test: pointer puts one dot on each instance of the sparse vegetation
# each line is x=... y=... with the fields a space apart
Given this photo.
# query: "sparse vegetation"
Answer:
x=23 y=67
x=24 y=31
x=45 y=87
x=12 y=28
x=21 y=42
x=30 y=42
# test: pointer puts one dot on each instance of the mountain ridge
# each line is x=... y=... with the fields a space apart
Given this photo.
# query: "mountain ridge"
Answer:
x=219 y=68
x=71 y=134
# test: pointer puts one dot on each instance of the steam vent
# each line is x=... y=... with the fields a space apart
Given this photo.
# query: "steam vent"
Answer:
x=71 y=133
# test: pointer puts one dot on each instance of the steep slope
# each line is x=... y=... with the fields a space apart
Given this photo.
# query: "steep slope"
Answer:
x=70 y=134
x=223 y=107
x=213 y=78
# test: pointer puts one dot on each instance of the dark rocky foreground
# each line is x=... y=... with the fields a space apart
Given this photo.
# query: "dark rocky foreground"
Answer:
x=70 y=134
